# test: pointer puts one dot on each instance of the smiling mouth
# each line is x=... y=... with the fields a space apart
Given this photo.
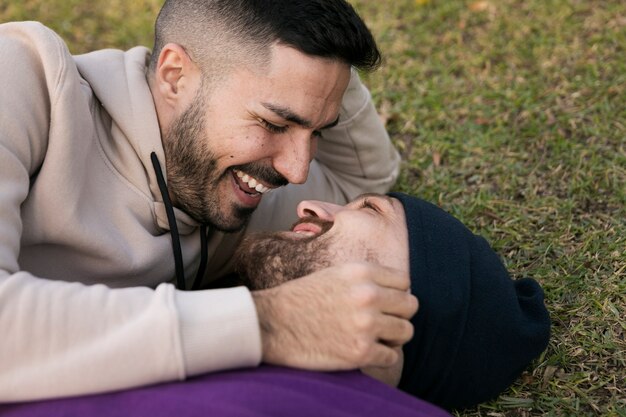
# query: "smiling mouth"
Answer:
x=250 y=185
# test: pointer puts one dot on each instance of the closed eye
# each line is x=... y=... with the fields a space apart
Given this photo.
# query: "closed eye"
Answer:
x=366 y=203
x=282 y=129
x=272 y=127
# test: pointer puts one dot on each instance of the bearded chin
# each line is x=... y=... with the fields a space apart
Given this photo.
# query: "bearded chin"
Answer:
x=265 y=260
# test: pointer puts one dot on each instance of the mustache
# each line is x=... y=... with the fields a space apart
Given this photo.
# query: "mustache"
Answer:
x=264 y=173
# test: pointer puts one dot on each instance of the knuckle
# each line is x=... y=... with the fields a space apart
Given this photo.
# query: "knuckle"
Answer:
x=409 y=305
x=406 y=283
x=359 y=270
x=365 y=294
x=413 y=304
x=361 y=351
x=407 y=330
x=365 y=322
x=362 y=271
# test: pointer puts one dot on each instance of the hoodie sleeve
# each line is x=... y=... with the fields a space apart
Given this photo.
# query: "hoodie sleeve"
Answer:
x=356 y=156
x=62 y=338
x=353 y=158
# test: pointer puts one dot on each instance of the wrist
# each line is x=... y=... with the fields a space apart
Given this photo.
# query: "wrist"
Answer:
x=263 y=300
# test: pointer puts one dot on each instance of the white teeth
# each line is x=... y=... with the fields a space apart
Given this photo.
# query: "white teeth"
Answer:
x=306 y=233
x=252 y=182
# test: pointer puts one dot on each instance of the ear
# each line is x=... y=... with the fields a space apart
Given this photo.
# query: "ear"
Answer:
x=176 y=77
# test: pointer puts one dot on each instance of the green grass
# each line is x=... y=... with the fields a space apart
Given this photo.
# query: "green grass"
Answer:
x=512 y=116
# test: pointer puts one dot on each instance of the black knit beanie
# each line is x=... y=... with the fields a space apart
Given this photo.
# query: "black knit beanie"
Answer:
x=476 y=329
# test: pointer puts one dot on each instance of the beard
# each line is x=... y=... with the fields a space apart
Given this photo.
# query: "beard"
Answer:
x=192 y=173
x=265 y=260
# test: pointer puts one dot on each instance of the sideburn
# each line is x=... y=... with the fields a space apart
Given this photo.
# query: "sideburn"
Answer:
x=190 y=165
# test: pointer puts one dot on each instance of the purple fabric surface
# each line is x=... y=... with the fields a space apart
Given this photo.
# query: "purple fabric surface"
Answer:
x=261 y=392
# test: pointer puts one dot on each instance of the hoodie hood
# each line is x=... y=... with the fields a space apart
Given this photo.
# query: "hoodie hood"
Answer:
x=118 y=80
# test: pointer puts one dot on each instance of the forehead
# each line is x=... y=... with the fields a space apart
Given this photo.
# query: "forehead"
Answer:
x=310 y=86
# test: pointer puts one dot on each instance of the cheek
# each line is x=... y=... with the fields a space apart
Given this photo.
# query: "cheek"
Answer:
x=355 y=247
x=377 y=243
x=246 y=146
x=314 y=142
x=394 y=248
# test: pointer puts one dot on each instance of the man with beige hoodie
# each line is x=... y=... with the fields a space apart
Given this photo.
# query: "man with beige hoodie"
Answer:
x=127 y=178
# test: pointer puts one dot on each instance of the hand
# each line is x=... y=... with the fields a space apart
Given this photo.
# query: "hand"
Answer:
x=390 y=375
x=343 y=317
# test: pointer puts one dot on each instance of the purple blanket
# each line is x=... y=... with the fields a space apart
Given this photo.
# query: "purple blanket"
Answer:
x=264 y=391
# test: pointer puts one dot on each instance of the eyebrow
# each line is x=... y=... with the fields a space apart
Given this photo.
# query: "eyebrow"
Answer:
x=361 y=198
x=290 y=116
x=372 y=195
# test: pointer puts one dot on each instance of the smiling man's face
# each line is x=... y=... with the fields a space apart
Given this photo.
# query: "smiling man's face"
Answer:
x=371 y=228
x=254 y=131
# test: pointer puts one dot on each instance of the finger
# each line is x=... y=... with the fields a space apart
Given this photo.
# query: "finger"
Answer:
x=394 y=331
x=386 y=300
x=398 y=303
x=381 y=355
x=391 y=278
x=381 y=275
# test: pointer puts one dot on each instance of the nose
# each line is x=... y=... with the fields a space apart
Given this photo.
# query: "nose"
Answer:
x=293 y=159
x=321 y=209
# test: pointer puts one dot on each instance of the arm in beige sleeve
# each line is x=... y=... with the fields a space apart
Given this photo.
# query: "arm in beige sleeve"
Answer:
x=61 y=338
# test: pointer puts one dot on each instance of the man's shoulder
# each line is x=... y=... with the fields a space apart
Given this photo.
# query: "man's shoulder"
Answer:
x=32 y=47
x=33 y=35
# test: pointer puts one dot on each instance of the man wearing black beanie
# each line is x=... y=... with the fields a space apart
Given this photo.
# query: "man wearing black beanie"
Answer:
x=476 y=329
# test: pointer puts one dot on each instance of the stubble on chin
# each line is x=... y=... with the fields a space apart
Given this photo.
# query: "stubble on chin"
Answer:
x=193 y=178
x=266 y=260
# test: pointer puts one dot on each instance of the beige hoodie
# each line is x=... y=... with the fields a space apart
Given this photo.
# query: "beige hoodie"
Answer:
x=86 y=265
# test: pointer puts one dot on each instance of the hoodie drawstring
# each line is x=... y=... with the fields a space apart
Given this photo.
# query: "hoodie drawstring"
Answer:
x=204 y=237
x=171 y=220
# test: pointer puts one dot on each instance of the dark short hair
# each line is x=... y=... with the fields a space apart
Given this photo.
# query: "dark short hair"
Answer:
x=325 y=28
